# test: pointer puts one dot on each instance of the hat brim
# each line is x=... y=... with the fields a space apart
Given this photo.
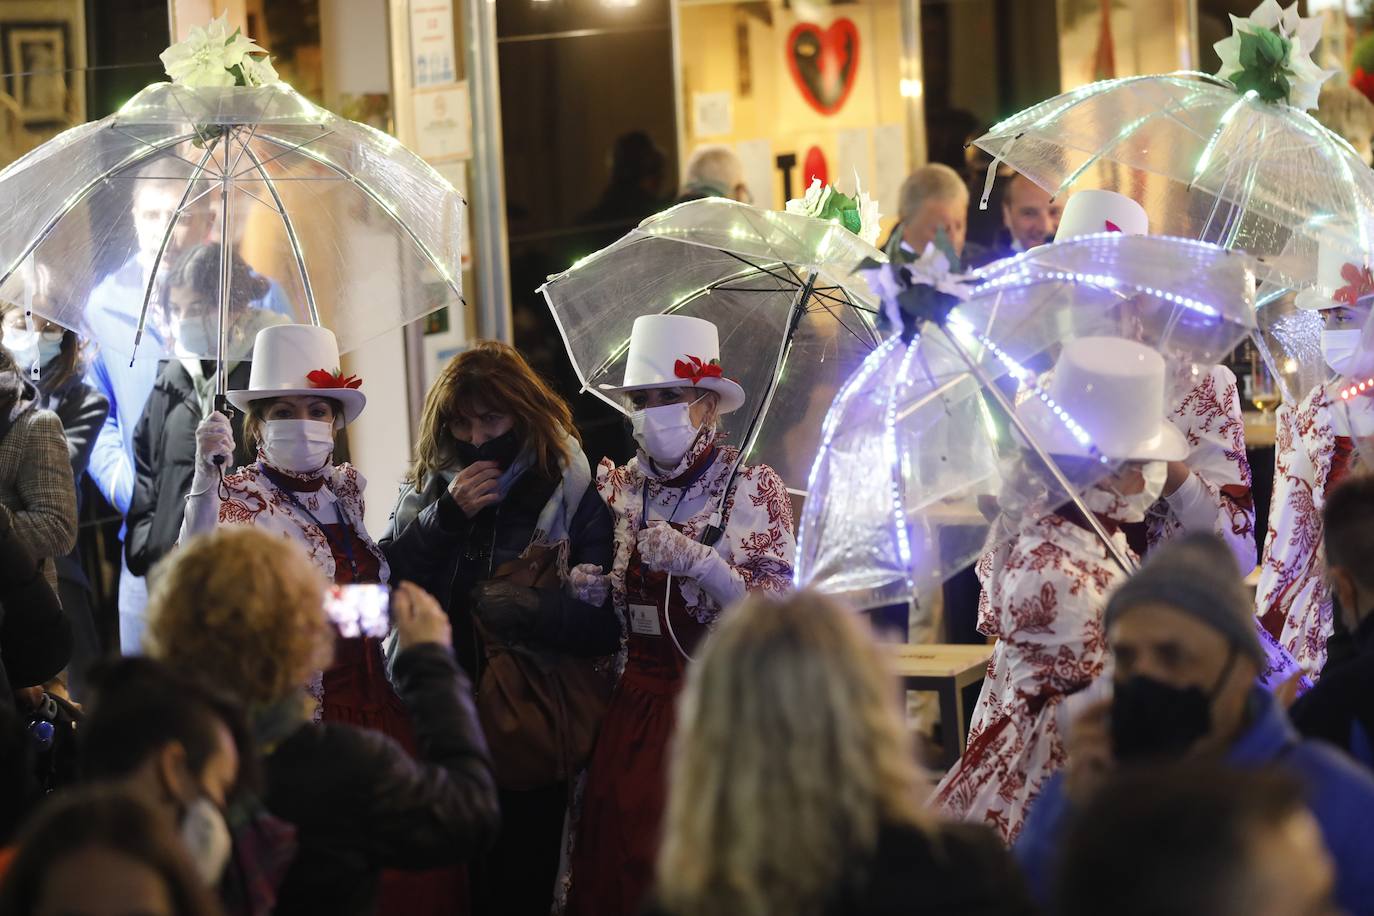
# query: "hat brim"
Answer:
x=352 y=399
x=731 y=394
x=1052 y=435
x=1310 y=300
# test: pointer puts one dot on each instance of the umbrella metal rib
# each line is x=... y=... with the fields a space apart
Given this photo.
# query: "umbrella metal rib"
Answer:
x=377 y=199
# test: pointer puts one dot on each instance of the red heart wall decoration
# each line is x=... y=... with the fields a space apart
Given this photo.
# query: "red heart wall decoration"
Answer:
x=824 y=62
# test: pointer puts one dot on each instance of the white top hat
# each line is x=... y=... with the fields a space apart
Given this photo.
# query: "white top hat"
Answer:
x=1092 y=211
x=293 y=360
x=1343 y=278
x=1108 y=394
x=677 y=351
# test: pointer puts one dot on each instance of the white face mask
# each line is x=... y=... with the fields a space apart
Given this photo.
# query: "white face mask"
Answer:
x=665 y=433
x=30 y=347
x=298 y=446
x=1341 y=350
x=206 y=837
x=196 y=336
x=1129 y=509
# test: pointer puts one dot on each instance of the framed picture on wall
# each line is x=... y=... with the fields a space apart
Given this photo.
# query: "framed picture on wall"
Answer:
x=37 y=59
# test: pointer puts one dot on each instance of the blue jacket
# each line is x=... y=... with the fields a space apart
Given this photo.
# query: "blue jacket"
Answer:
x=1339 y=792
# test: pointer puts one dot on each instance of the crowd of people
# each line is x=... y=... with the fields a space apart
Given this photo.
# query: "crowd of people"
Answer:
x=594 y=689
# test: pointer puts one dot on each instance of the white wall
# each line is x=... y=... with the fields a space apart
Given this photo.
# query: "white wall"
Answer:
x=357 y=59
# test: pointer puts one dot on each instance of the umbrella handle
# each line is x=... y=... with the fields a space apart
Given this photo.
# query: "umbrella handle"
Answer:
x=223 y=406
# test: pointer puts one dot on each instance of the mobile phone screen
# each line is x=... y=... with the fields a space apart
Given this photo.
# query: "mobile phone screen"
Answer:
x=359 y=610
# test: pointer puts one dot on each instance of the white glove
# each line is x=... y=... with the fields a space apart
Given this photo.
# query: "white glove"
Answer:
x=588 y=585
x=214 y=437
x=665 y=549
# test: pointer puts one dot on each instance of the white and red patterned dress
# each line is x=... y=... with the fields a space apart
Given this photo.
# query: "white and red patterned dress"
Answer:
x=1216 y=495
x=616 y=836
x=1045 y=608
x=1311 y=455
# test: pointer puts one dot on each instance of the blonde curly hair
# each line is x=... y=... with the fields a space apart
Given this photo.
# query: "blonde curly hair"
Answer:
x=243 y=609
x=790 y=753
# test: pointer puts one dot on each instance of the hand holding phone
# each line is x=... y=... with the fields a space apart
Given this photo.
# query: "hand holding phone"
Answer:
x=359 y=610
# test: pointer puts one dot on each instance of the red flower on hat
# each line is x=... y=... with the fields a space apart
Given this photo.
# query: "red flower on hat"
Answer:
x=1359 y=283
x=1363 y=81
x=696 y=370
x=323 y=378
x=1111 y=226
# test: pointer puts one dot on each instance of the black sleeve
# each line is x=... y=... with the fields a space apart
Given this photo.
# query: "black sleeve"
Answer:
x=35 y=634
x=359 y=788
x=143 y=505
x=82 y=415
x=423 y=551
x=1325 y=711
x=566 y=623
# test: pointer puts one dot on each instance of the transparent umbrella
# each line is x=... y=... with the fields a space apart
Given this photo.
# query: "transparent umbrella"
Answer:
x=338 y=223
x=1205 y=160
x=926 y=462
x=794 y=320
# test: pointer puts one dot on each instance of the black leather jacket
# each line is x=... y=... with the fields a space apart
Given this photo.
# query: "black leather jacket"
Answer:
x=361 y=804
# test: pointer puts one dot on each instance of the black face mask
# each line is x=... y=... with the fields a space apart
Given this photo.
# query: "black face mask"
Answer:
x=1152 y=720
x=502 y=450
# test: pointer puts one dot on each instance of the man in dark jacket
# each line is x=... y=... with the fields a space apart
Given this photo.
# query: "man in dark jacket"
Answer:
x=165 y=457
x=1182 y=635
x=1340 y=709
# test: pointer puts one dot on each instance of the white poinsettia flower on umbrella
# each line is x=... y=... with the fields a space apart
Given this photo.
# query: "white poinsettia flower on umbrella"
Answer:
x=859 y=214
x=1270 y=52
x=213 y=56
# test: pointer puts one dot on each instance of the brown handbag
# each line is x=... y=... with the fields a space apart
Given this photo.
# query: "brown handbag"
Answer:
x=540 y=710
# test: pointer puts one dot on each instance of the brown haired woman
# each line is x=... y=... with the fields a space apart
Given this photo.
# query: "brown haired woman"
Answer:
x=500 y=479
x=33 y=342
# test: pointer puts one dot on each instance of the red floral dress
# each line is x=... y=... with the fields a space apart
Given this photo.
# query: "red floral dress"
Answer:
x=615 y=840
x=1311 y=455
x=1216 y=496
x=1045 y=608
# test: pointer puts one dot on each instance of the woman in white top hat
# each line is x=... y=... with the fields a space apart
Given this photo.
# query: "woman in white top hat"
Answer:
x=1315 y=450
x=1045 y=606
x=1209 y=489
x=684 y=549
x=296 y=402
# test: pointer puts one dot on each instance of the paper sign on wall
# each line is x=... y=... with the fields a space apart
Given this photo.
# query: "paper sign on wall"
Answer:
x=443 y=124
x=711 y=115
x=431 y=43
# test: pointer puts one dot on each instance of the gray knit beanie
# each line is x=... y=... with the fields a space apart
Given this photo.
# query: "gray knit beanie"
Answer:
x=1195 y=575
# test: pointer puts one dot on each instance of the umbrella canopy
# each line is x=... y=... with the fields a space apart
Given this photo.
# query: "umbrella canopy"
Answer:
x=921 y=470
x=1205 y=160
x=309 y=218
x=794 y=321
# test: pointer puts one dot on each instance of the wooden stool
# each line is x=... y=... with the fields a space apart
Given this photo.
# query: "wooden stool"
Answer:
x=944 y=670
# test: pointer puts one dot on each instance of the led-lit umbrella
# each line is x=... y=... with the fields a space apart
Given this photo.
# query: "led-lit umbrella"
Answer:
x=353 y=231
x=794 y=320
x=924 y=465
x=1237 y=160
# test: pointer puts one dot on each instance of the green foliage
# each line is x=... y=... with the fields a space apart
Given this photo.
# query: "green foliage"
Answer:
x=1263 y=59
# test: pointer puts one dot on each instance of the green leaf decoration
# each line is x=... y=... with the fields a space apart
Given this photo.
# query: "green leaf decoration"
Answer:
x=1264 y=65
